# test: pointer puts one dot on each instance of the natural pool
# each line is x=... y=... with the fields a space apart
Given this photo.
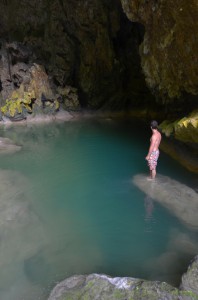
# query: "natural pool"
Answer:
x=68 y=206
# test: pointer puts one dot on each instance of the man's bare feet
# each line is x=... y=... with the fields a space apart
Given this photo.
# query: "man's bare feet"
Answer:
x=150 y=179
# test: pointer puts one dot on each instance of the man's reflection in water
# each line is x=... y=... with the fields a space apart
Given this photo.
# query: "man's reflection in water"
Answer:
x=149 y=207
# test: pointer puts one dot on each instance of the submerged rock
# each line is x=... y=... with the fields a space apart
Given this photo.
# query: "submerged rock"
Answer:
x=94 y=287
x=21 y=231
x=178 y=198
x=7 y=146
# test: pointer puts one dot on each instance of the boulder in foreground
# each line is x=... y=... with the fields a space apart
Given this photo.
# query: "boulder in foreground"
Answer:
x=94 y=287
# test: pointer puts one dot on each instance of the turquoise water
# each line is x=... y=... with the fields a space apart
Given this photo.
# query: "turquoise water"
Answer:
x=74 y=209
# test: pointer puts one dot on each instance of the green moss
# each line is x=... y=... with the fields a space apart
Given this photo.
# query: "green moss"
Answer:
x=118 y=294
x=15 y=104
x=190 y=294
x=185 y=129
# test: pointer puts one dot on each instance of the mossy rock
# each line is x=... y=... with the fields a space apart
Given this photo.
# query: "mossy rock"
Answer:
x=94 y=287
x=16 y=108
x=185 y=129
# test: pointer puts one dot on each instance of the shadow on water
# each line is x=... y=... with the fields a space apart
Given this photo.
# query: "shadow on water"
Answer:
x=149 y=209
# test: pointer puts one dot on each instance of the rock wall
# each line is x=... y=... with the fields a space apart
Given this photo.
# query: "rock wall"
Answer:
x=169 y=58
x=168 y=51
x=98 y=54
x=84 y=44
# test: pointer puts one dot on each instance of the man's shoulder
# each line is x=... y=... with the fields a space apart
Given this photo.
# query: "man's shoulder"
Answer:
x=155 y=135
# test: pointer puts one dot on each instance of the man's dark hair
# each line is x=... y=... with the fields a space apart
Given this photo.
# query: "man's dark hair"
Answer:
x=154 y=124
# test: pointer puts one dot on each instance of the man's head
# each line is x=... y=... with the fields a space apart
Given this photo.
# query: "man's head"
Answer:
x=154 y=124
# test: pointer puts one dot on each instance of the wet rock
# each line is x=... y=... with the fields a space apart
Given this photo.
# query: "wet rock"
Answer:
x=178 y=198
x=190 y=278
x=103 y=287
x=69 y=97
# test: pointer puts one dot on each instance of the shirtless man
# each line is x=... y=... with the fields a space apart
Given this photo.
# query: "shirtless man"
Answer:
x=153 y=153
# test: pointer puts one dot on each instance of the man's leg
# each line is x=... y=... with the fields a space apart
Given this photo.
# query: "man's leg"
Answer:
x=153 y=173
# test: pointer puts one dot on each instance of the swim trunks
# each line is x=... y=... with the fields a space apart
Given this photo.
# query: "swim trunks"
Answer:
x=152 y=162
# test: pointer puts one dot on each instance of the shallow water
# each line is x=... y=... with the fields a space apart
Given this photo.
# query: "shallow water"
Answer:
x=68 y=206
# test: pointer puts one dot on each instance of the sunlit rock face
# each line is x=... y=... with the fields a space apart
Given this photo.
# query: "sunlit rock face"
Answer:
x=168 y=52
x=84 y=44
x=185 y=129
